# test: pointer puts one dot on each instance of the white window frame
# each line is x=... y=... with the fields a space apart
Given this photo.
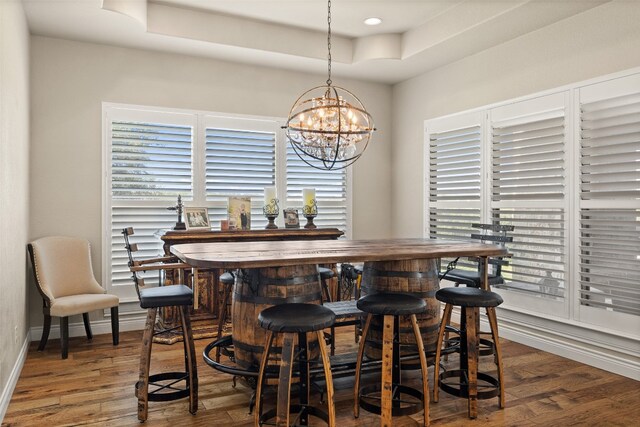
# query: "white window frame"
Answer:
x=199 y=120
x=618 y=326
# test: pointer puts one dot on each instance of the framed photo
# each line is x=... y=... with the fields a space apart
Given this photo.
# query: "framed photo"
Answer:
x=239 y=212
x=291 y=219
x=197 y=218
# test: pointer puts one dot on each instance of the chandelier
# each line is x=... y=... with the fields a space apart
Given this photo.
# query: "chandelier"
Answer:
x=328 y=126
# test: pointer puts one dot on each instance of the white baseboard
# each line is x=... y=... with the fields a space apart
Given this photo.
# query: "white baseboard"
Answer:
x=133 y=322
x=7 y=392
x=600 y=350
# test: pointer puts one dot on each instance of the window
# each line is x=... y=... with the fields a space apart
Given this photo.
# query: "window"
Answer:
x=528 y=190
x=609 y=202
x=153 y=155
x=564 y=169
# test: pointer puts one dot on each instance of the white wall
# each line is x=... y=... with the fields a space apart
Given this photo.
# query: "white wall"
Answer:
x=14 y=192
x=600 y=41
x=70 y=80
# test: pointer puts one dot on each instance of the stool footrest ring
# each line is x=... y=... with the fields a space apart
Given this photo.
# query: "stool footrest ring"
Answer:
x=368 y=393
x=296 y=409
x=461 y=389
x=159 y=395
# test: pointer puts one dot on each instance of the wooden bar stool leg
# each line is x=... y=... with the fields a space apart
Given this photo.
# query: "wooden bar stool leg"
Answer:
x=446 y=318
x=142 y=387
x=493 y=322
x=423 y=368
x=471 y=313
x=356 y=389
x=387 y=372
x=284 y=381
x=331 y=408
x=222 y=317
x=263 y=369
x=190 y=359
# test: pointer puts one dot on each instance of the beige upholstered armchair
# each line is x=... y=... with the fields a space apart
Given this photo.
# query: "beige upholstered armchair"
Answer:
x=64 y=276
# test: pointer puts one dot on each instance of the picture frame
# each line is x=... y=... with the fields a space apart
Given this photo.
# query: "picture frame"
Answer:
x=239 y=213
x=197 y=219
x=291 y=219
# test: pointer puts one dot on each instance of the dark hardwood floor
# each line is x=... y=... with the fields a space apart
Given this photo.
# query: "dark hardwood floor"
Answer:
x=94 y=387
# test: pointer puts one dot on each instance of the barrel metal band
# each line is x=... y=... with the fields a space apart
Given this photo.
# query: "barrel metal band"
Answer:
x=430 y=274
x=313 y=345
x=316 y=296
x=420 y=294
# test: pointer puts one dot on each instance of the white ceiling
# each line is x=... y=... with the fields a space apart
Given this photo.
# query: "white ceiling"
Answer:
x=414 y=37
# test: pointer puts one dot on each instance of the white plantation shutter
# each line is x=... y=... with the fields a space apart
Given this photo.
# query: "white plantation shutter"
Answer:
x=239 y=162
x=609 y=229
x=330 y=186
x=149 y=164
x=610 y=259
x=148 y=222
x=150 y=160
x=528 y=158
x=454 y=175
x=529 y=191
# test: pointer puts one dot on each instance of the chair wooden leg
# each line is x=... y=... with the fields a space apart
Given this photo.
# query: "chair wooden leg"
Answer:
x=471 y=313
x=446 y=318
x=46 y=327
x=493 y=322
x=423 y=368
x=331 y=409
x=356 y=386
x=190 y=359
x=284 y=381
x=263 y=369
x=115 y=326
x=87 y=326
x=142 y=386
x=387 y=372
x=64 y=336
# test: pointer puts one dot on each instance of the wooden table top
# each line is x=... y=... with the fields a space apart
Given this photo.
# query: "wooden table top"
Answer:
x=232 y=255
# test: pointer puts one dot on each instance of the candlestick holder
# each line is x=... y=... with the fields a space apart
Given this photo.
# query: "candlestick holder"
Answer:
x=310 y=212
x=270 y=210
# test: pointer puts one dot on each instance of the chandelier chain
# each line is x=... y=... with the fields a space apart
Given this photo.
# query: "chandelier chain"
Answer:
x=329 y=42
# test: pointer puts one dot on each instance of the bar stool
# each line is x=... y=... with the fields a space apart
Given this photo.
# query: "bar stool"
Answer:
x=179 y=297
x=291 y=320
x=465 y=380
x=325 y=274
x=391 y=306
x=227 y=280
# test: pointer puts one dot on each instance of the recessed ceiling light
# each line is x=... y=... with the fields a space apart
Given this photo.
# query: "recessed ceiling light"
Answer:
x=373 y=21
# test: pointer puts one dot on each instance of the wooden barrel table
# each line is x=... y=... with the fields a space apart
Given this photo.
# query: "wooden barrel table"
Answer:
x=259 y=288
x=417 y=277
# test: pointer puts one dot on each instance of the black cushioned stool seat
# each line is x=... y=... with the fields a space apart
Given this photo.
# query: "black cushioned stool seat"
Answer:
x=391 y=304
x=472 y=278
x=291 y=320
x=166 y=296
x=296 y=317
x=391 y=398
x=469 y=297
x=467 y=381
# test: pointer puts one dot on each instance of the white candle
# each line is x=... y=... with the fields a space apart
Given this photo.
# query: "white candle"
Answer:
x=269 y=195
x=308 y=196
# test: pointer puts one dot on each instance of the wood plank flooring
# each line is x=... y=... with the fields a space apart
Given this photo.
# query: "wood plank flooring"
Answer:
x=94 y=387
